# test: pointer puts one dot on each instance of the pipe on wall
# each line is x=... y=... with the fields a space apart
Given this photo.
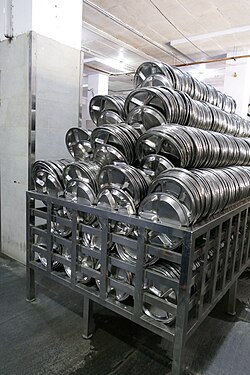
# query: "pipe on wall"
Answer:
x=214 y=60
x=179 y=65
x=8 y=19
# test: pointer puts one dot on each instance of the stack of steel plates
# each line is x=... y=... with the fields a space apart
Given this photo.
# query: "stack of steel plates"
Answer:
x=173 y=122
x=81 y=192
x=84 y=171
x=152 y=106
x=184 y=197
x=48 y=176
x=107 y=109
x=126 y=178
x=159 y=74
x=78 y=143
x=191 y=147
x=171 y=271
x=83 y=260
x=42 y=243
x=154 y=164
x=122 y=137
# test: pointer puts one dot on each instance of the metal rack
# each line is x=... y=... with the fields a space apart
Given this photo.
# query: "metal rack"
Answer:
x=198 y=290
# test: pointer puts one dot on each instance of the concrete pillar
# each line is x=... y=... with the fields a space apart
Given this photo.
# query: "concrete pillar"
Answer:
x=237 y=82
x=98 y=84
x=54 y=52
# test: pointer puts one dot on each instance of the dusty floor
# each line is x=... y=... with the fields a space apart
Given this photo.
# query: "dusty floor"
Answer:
x=44 y=337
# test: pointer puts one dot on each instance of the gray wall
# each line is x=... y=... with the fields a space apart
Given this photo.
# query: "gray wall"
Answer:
x=57 y=109
x=57 y=96
x=13 y=144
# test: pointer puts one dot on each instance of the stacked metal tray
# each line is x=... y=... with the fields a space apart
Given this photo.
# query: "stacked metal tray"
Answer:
x=165 y=105
x=161 y=74
x=164 y=277
x=119 y=170
x=193 y=148
x=150 y=215
x=107 y=109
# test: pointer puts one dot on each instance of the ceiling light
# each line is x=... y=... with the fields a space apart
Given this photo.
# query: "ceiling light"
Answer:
x=120 y=66
x=115 y=64
x=202 y=72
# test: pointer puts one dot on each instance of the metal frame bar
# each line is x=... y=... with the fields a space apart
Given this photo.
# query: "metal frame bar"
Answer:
x=183 y=304
x=32 y=107
x=31 y=159
x=231 y=309
x=30 y=273
x=213 y=280
x=87 y=316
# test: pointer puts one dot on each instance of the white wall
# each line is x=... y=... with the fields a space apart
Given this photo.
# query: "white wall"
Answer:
x=60 y=20
x=57 y=96
x=237 y=82
x=57 y=60
x=57 y=105
x=14 y=144
x=22 y=17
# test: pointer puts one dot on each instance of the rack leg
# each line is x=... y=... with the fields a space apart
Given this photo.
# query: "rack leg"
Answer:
x=30 y=285
x=178 y=355
x=87 y=316
x=231 y=308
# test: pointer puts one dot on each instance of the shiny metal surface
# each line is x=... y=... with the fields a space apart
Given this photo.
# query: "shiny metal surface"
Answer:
x=160 y=74
x=176 y=106
x=126 y=178
x=56 y=226
x=81 y=192
x=147 y=69
x=109 y=117
x=82 y=260
x=117 y=200
x=128 y=254
x=85 y=171
x=157 y=80
x=200 y=192
x=154 y=164
x=47 y=176
x=42 y=242
x=145 y=115
x=164 y=208
x=107 y=154
x=100 y=103
x=171 y=271
x=123 y=276
x=121 y=136
x=192 y=147
x=78 y=143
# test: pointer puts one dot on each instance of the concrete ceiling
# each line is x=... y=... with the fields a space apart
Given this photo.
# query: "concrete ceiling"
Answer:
x=128 y=32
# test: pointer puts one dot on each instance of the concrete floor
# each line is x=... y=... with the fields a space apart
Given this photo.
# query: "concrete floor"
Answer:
x=44 y=337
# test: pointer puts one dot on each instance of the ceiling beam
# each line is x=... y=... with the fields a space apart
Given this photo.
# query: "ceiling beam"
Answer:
x=117 y=41
x=166 y=49
x=214 y=34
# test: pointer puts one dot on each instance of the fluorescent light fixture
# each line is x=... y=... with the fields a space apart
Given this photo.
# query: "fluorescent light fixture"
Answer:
x=115 y=64
x=112 y=63
x=202 y=72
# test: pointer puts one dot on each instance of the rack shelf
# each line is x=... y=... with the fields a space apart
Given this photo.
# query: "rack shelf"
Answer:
x=197 y=290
